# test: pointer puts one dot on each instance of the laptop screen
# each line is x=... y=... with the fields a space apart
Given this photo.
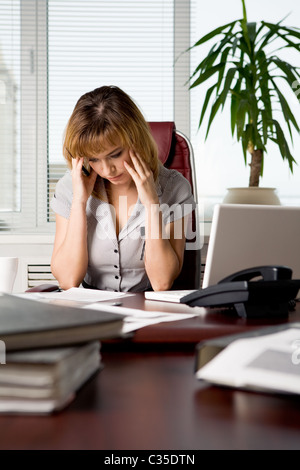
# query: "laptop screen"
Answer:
x=245 y=236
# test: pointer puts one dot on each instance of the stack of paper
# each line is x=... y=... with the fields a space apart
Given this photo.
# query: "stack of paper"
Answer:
x=45 y=380
x=107 y=302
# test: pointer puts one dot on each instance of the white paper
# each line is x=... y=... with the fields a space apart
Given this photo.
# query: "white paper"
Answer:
x=168 y=295
x=78 y=294
x=136 y=318
x=92 y=299
x=270 y=362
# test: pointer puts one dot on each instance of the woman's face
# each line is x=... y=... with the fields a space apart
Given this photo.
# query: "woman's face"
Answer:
x=109 y=164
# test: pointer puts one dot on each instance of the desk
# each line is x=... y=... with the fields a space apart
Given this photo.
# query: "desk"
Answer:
x=146 y=397
x=209 y=324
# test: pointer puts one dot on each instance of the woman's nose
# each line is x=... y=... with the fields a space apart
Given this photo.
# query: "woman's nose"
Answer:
x=107 y=168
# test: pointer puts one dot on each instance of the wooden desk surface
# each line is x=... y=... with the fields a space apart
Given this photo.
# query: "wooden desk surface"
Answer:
x=147 y=397
x=151 y=400
x=209 y=323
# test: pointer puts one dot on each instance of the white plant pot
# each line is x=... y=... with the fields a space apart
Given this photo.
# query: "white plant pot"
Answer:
x=252 y=195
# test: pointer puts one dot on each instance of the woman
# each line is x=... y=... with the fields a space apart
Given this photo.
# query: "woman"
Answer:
x=114 y=226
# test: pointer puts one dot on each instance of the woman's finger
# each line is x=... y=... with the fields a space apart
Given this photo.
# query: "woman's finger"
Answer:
x=77 y=163
x=131 y=170
x=139 y=164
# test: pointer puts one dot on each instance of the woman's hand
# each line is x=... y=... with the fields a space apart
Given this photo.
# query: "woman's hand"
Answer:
x=143 y=179
x=82 y=185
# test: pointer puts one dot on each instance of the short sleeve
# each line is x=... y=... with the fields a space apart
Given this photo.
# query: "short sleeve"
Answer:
x=177 y=200
x=62 y=199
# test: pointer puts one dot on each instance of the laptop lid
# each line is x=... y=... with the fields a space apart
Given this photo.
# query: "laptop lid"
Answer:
x=246 y=235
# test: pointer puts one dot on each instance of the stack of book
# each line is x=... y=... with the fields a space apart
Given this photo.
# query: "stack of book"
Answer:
x=48 y=352
x=46 y=380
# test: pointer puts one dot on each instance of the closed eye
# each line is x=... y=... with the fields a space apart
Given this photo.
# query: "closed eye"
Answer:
x=112 y=155
x=117 y=155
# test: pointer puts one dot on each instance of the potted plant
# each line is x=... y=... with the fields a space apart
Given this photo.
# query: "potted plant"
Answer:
x=247 y=71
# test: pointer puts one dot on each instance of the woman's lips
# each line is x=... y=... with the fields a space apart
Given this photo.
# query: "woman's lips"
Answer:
x=115 y=178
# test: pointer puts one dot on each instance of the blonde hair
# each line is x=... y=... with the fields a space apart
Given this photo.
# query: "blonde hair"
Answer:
x=108 y=116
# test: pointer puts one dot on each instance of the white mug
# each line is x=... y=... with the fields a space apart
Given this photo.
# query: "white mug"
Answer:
x=8 y=273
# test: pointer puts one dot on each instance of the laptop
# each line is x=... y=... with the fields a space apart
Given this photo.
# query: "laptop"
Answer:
x=247 y=235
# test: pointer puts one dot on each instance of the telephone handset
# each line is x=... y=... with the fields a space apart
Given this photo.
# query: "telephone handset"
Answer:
x=268 y=296
x=85 y=171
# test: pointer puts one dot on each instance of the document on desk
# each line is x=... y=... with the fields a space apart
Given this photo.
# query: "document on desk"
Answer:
x=96 y=299
x=136 y=318
x=78 y=294
x=269 y=363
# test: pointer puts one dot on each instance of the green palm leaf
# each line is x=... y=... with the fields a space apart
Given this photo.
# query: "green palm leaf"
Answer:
x=250 y=75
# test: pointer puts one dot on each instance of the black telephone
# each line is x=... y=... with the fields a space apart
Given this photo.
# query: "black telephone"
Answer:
x=269 y=296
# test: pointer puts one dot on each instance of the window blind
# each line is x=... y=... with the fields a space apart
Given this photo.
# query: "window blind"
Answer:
x=93 y=43
x=53 y=51
x=23 y=114
x=9 y=109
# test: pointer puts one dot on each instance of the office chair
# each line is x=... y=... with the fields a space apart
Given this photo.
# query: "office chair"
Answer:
x=175 y=152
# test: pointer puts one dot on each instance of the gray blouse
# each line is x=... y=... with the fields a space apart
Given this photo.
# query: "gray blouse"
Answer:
x=116 y=262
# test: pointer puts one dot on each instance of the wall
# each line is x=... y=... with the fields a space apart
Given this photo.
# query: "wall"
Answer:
x=34 y=253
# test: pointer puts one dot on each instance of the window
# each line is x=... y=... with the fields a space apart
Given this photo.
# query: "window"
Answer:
x=92 y=43
x=23 y=130
x=9 y=108
x=219 y=159
x=56 y=50
x=52 y=51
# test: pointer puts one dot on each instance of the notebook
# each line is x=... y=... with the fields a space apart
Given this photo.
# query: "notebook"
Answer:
x=28 y=324
x=247 y=235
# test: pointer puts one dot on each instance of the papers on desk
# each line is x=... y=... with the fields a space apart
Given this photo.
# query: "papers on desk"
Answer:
x=78 y=294
x=96 y=299
x=42 y=381
x=270 y=363
x=136 y=318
